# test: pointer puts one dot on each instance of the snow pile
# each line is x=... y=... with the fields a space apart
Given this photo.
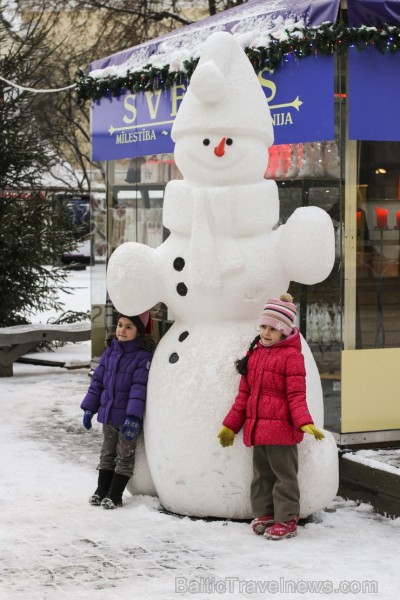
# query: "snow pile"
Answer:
x=383 y=459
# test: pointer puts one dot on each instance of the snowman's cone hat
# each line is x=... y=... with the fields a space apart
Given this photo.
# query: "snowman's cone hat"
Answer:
x=224 y=94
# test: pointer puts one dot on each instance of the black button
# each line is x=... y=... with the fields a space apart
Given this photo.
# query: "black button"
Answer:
x=183 y=336
x=179 y=263
x=181 y=289
x=174 y=358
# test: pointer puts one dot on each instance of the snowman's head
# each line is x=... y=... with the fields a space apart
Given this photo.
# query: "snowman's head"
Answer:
x=223 y=127
x=220 y=158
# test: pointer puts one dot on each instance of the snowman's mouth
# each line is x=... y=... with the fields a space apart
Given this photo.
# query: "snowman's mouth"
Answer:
x=226 y=160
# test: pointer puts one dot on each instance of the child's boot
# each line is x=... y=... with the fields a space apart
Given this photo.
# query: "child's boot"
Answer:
x=281 y=530
x=103 y=485
x=114 y=496
x=260 y=524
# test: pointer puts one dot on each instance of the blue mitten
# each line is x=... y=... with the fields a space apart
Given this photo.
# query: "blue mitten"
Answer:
x=131 y=428
x=87 y=419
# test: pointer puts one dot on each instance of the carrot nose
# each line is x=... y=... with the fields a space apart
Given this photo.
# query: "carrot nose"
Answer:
x=220 y=149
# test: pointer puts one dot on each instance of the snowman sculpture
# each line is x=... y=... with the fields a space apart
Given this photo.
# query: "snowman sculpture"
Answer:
x=222 y=260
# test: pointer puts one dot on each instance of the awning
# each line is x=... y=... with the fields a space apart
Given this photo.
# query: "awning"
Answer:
x=249 y=22
x=137 y=124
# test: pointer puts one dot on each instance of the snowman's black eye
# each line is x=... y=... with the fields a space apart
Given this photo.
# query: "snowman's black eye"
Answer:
x=229 y=141
x=206 y=142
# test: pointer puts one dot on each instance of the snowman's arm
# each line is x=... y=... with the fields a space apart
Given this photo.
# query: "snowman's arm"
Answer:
x=134 y=280
x=307 y=245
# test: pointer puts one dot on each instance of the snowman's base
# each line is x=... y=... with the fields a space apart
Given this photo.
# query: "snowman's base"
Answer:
x=301 y=522
x=164 y=511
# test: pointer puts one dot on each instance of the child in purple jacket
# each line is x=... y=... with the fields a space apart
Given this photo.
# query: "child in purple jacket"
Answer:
x=117 y=394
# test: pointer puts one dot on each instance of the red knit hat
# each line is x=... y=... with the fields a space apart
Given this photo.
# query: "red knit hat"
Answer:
x=140 y=321
x=279 y=314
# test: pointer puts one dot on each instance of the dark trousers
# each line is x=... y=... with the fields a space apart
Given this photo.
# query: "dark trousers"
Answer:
x=116 y=453
x=275 y=488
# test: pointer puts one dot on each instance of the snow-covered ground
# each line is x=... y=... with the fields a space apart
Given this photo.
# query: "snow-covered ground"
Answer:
x=54 y=545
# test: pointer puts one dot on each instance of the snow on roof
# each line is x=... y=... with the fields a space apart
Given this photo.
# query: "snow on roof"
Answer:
x=253 y=24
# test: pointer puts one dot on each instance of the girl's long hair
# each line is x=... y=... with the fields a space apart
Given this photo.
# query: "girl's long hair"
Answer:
x=241 y=363
x=147 y=341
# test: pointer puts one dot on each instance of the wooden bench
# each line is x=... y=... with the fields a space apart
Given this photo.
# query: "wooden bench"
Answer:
x=18 y=340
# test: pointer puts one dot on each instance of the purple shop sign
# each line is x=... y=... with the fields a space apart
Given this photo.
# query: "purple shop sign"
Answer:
x=299 y=94
x=374 y=92
x=134 y=124
x=373 y=12
x=374 y=78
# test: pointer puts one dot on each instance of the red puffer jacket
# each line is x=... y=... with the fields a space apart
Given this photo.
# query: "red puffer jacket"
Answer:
x=271 y=401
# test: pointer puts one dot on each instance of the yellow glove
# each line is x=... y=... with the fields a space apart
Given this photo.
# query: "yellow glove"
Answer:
x=226 y=436
x=312 y=430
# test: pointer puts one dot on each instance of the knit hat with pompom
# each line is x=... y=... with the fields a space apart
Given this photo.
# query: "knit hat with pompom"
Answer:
x=279 y=314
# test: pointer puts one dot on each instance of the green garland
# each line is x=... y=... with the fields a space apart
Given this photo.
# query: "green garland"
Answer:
x=299 y=42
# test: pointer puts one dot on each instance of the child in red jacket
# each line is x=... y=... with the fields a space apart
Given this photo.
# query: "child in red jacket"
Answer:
x=271 y=404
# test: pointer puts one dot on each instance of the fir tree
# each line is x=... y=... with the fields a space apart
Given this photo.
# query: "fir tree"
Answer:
x=32 y=234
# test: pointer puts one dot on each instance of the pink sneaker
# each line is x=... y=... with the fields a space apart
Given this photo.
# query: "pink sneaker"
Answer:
x=260 y=524
x=280 y=531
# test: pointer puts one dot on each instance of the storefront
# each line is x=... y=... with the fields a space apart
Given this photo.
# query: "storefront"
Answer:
x=337 y=146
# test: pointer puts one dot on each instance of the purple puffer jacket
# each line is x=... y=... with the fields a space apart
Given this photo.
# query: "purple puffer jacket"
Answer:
x=119 y=383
